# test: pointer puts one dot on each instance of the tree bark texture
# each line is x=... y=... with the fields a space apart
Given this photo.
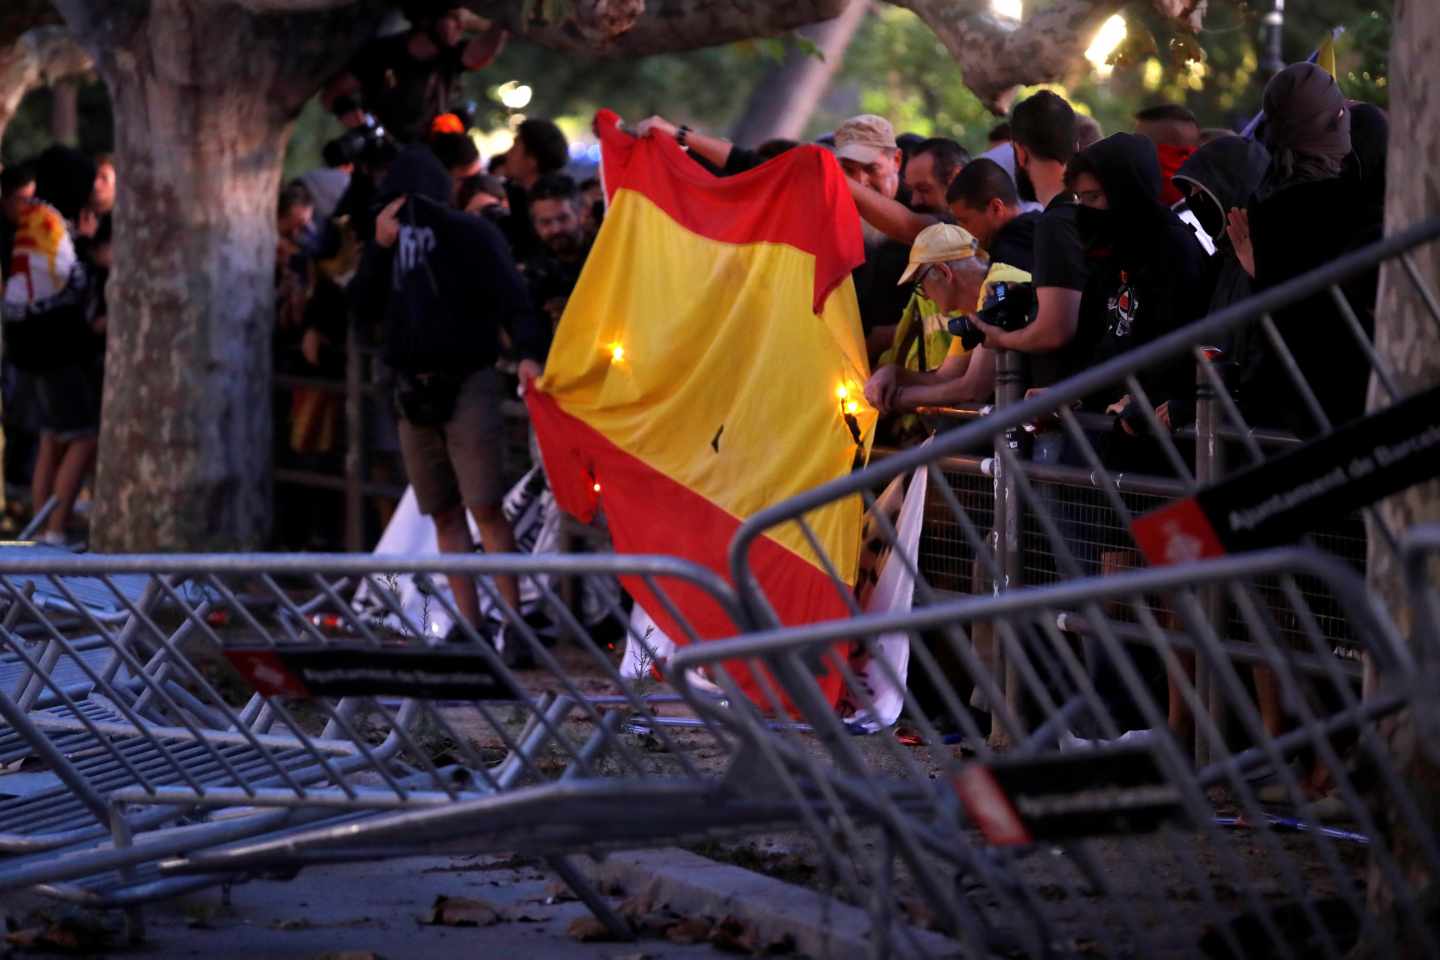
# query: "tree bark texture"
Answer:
x=625 y=28
x=204 y=96
x=37 y=57
x=782 y=103
x=1408 y=339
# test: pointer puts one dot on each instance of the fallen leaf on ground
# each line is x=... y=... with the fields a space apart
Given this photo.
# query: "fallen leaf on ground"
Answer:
x=299 y=923
x=689 y=930
x=462 y=912
x=588 y=930
x=559 y=892
x=350 y=955
x=66 y=935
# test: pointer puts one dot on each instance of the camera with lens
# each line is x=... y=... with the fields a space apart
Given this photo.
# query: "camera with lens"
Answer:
x=1009 y=306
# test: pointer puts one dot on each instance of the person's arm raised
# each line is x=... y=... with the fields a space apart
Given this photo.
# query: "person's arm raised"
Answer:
x=713 y=149
x=890 y=217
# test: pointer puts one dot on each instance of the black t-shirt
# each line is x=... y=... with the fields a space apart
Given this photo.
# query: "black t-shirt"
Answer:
x=552 y=280
x=1140 y=293
x=406 y=94
x=1060 y=262
x=877 y=284
x=1014 y=243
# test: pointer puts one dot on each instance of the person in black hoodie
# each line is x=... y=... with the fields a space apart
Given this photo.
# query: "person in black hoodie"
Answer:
x=1219 y=176
x=1147 y=268
x=1305 y=215
x=442 y=285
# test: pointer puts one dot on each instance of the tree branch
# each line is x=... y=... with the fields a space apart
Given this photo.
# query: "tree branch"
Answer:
x=633 y=28
x=998 y=54
x=37 y=58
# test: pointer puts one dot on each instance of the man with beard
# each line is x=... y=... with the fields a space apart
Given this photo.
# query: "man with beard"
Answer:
x=555 y=214
x=408 y=79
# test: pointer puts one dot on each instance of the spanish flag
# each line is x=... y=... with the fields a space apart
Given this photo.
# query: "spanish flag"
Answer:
x=710 y=364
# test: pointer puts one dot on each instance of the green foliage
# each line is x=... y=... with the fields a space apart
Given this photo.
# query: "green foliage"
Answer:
x=29 y=130
x=897 y=68
x=706 y=88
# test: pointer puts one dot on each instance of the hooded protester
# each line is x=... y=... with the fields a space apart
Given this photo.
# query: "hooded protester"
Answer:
x=1147 y=268
x=1307 y=215
x=1369 y=143
x=442 y=285
x=1221 y=175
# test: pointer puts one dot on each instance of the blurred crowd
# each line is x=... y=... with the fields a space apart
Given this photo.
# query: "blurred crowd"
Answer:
x=55 y=259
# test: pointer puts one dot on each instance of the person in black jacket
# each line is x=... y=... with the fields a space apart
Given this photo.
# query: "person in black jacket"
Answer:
x=1307 y=214
x=443 y=284
x=1147 y=268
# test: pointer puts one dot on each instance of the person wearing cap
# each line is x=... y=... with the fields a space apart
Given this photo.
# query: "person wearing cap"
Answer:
x=871 y=158
x=946 y=266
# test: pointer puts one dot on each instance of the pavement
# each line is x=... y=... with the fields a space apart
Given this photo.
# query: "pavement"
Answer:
x=682 y=904
x=363 y=912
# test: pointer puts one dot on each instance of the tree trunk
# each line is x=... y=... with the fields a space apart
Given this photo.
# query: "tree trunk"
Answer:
x=65 y=113
x=782 y=103
x=204 y=95
x=1407 y=339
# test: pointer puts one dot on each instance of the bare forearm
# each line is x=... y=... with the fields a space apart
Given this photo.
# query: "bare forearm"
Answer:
x=894 y=219
x=713 y=149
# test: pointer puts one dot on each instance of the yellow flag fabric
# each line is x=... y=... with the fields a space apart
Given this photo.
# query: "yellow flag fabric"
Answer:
x=710 y=364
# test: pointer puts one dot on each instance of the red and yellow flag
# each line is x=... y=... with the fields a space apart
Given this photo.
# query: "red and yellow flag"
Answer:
x=710 y=364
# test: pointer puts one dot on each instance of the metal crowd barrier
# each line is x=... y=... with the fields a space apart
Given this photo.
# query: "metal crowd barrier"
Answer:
x=1061 y=651
x=251 y=715
x=1117 y=845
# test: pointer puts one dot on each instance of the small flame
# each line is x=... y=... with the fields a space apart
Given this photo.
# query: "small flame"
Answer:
x=596 y=488
x=842 y=391
x=617 y=353
x=852 y=407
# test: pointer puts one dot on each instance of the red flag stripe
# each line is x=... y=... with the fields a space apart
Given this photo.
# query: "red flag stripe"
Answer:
x=750 y=207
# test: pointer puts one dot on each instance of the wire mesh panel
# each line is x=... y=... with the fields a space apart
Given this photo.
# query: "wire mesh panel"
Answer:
x=278 y=708
x=1106 y=845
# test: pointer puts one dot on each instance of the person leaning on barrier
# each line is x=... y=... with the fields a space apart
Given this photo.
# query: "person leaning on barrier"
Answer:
x=442 y=283
x=1147 y=268
x=984 y=200
x=1305 y=215
x=945 y=264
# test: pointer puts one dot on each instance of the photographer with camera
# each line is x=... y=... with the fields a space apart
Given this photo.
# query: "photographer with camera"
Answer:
x=946 y=266
x=442 y=284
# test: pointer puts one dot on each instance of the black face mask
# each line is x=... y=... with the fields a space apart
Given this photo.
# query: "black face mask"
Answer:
x=1098 y=228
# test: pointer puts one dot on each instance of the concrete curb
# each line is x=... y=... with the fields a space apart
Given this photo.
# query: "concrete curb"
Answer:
x=689 y=883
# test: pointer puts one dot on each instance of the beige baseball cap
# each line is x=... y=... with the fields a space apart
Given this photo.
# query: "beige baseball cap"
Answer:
x=865 y=139
x=939 y=243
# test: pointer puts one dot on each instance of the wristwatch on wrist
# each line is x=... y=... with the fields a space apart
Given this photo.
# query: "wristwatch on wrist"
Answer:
x=682 y=133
